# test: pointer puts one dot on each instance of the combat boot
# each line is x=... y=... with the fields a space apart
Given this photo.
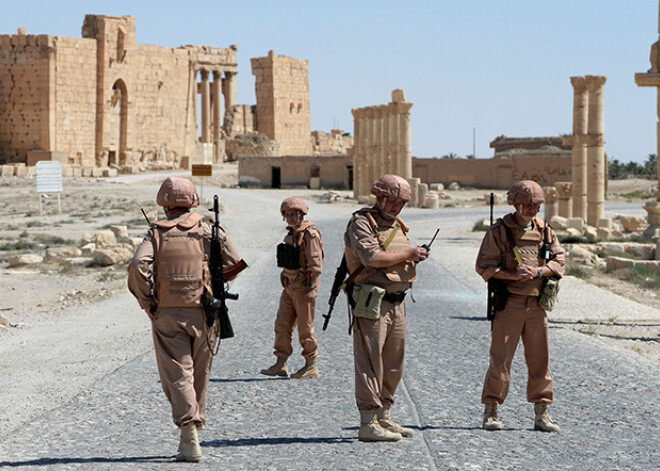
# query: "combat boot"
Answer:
x=371 y=431
x=542 y=421
x=280 y=368
x=310 y=370
x=490 y=418
x=384 y=420
x=189 y=449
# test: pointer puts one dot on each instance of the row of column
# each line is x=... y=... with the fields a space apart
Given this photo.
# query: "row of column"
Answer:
x=382 y=142
x=587 y=187
x=211 y=105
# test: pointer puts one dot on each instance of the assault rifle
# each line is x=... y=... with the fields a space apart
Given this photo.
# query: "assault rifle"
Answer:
x=215 y=306
x=340 y=276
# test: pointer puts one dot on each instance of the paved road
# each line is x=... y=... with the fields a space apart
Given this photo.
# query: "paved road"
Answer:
x=606 y=396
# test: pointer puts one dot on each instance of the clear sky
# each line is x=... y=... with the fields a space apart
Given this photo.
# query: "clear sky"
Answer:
x=495 y=66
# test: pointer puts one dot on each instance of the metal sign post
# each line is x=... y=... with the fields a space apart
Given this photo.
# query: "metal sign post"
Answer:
x=202 y=170
x=49 y=180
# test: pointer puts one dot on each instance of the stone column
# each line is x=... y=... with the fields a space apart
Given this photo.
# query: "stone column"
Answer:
x=405 y=136
x=230 y=90
x=551 y=197
x=216 y=105
x=579 y=150
x=651 y=78
x=206 y=105
x=595 y=149
x=356 y=139
x=564 y=192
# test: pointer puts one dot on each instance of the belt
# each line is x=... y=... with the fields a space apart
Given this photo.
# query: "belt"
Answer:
x=394 y=298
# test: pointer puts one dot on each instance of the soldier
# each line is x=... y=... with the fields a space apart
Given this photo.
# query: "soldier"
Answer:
x=168 y=275
x=301 y=259
x=382 y=266
x=522 y=271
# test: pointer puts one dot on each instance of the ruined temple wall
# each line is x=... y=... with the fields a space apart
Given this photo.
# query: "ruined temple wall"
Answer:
x=495 y=172
x=74 y=108
x=334 y=142
x=25 y=94
x=283 y=107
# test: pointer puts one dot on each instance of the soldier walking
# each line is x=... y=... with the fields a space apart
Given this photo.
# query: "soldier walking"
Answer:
x=168 y=275
x=382 y=266
x=520 y=250
x=301 y=259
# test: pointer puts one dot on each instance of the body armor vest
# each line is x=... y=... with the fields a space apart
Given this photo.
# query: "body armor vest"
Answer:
x=529 y=244
x=180 y=263
x=290 y=257
x=391 y=239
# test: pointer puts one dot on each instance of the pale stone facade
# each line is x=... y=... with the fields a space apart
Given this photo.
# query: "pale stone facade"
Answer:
x=103 y=99
x=382 y=142
x=283 y=110
x=542 y=159
x=652 y=79
x=327 y=171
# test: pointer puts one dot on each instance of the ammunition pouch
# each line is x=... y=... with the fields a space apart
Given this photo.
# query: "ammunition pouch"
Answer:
x=368 y=299
x=549 y=294
x=288 y=256
x=498 y=294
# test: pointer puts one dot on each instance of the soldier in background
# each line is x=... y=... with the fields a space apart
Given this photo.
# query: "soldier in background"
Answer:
x=301 y=259
x=523 y=271
x=168 y=275
x=382 y=264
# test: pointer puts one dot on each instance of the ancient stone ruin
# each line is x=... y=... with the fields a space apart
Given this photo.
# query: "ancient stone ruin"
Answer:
x=382 y=143
x=103 y=101
x=651 y=78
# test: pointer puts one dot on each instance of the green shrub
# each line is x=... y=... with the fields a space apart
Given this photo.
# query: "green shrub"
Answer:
x=642 y=275
x=49 y=240
x=578 y=271
x=19 y=245
x=480 y=226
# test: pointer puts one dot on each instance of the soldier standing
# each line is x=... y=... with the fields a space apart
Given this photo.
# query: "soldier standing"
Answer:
x=514 y=251
x=168 y=275
x=382 y=266
x=301 y=259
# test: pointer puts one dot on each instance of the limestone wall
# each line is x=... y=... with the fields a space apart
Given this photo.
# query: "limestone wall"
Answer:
x=334 y=142
x=283 y=109
x=102 y=99
x=332 y=171
x=74 y=124
x=495 y=172
x=240 y=119
x=25 y=94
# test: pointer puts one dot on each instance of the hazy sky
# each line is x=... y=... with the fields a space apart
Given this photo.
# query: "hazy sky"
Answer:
x=500 y=67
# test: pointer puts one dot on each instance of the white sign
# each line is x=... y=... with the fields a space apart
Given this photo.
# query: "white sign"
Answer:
x=49 y=176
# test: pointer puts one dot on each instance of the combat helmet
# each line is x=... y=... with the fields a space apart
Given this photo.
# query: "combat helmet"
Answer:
x=293 y=203
x=525 y=192
x=392 y=185
x=177 y=192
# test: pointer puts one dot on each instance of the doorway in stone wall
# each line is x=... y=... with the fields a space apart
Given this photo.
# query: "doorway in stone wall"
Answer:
x=112 y=157
x=275 y=177
x=349 y=180
x=117 y=124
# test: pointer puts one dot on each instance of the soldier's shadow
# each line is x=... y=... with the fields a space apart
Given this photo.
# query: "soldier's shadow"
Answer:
x=89 y=461
x=246 y=380
x=274 y=441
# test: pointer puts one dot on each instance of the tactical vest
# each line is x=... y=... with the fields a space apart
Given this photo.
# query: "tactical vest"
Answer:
x=529 y=244
x=180 y=263
x=291 y=253
x=392 y=239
